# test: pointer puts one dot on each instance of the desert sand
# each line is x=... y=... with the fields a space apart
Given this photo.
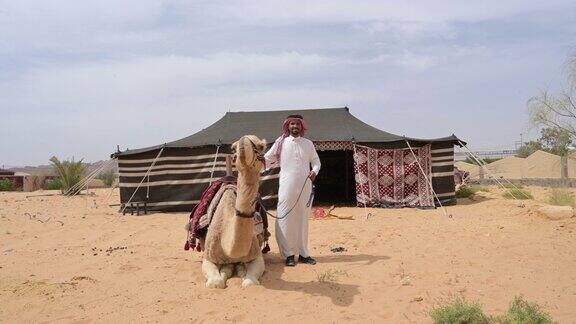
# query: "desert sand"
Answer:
x=539 y=165
x=77 y=260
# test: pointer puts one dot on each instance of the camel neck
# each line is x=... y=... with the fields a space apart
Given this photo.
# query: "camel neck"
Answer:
x=247 y=190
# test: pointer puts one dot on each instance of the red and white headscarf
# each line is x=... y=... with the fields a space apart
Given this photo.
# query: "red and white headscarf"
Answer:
x=286 y=131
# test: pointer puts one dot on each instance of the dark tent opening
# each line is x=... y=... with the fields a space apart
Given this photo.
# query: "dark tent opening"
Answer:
x=335 y=184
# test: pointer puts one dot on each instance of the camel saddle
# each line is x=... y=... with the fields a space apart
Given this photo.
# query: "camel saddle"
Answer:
x=202 y=213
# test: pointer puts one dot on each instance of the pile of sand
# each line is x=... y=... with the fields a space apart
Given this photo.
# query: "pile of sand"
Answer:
x=539 y=165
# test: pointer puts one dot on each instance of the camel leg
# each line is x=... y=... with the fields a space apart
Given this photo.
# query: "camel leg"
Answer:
x=241 y=270
x=226 y=271
x=254 y=271
x=212 y=274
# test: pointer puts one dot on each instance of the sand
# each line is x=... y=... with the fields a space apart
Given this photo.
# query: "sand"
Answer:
x=76 y=260
x=539 y=165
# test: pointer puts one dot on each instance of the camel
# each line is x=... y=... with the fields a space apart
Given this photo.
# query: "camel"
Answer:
x=230 y=244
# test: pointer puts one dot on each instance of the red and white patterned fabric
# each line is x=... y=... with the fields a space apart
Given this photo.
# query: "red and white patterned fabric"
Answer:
x=392 y=178
x=333 y=146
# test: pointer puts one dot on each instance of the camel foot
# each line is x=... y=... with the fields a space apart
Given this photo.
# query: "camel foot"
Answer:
x=241 y=270
x=250 y=282
x=216 y=283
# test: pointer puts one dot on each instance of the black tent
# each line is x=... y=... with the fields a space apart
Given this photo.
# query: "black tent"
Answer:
x=187 y=166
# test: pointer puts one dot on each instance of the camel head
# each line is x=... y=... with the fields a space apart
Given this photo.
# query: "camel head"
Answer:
x=249 y=154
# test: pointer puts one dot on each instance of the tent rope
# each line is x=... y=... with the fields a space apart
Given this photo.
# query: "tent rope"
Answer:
x=144 y=177
x=78 y=187
x=429 y=180
x=214 y=164
x=483 y=164
x=81 y=182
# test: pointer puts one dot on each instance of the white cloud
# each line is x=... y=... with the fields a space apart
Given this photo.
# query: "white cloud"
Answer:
x=343 y=11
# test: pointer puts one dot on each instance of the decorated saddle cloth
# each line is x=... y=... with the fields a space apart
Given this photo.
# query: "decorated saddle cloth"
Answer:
x=202 y=214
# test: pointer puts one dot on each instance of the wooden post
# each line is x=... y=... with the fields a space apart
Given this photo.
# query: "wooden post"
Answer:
x=564 y=167
x=228 y=165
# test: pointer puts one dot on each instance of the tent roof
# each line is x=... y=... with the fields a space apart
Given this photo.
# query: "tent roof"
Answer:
x=332 y=124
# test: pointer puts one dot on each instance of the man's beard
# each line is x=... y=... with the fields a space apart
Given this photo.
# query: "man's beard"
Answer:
x=295 y=132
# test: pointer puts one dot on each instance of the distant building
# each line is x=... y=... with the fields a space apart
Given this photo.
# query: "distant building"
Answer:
x=18 y=179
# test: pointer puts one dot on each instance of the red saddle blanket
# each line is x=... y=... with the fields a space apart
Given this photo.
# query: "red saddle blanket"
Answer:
x=194 y=230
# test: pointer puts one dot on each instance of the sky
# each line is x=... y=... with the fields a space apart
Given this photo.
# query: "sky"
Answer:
x=78 y=78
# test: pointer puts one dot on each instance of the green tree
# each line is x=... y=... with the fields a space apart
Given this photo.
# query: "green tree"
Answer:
x=528 y=148
x=556 y=140
x=69 y=172
x=552 y=140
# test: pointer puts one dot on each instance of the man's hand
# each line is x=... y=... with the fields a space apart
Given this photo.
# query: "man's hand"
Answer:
x=312 y=176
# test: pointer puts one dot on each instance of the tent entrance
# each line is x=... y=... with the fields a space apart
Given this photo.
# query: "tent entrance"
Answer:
x=335 y=185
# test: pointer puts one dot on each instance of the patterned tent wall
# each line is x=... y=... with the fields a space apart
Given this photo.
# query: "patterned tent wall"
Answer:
x=442 y=158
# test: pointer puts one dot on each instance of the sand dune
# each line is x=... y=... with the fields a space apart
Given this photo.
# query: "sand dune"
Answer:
x=76 y=260
x=539 y=165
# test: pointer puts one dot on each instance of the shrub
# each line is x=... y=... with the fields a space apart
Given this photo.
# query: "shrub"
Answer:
x=480 y=188
x=562 y=197
x=523 y=312
x=468 y=191
x=512 y=186
x=54 y=184
x=464 y=192
x=6 y=185
x=517 y=194
x=459 y=311
x=107 y=178
x=69 y=172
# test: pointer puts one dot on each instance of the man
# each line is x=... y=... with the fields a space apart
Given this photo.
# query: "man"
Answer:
x=294 y=154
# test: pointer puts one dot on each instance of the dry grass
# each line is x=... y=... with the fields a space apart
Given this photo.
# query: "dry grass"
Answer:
x=562 y=197
x=330 y=275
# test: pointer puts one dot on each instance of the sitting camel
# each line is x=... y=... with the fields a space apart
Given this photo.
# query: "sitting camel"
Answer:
x=230 y=243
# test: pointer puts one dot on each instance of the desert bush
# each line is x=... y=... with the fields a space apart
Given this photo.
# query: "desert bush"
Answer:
x=517 y=194
x=468 y=191
x=6 y=185
x=69 y=172
x=512 y=186
x=562 y=197
x=459 y=311
x=107 y=177
x=54 y=184
x=524 y=312
x=464 y=192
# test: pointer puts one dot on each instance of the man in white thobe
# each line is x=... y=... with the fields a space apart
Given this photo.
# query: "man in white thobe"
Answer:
x=295 y=155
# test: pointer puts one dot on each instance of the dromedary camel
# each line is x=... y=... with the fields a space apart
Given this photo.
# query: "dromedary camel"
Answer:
x=230 y=243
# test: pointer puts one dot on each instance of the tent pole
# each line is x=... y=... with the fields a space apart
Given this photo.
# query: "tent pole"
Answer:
x=366 y=213
x=214 y=164
x=228 y=165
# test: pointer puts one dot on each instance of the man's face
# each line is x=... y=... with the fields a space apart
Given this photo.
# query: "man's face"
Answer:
x=295 y=128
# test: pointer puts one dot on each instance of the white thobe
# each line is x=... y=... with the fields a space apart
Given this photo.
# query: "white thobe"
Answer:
x=297 y=155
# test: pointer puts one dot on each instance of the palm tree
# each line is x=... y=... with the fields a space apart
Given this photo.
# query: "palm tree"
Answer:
x=69 y=172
